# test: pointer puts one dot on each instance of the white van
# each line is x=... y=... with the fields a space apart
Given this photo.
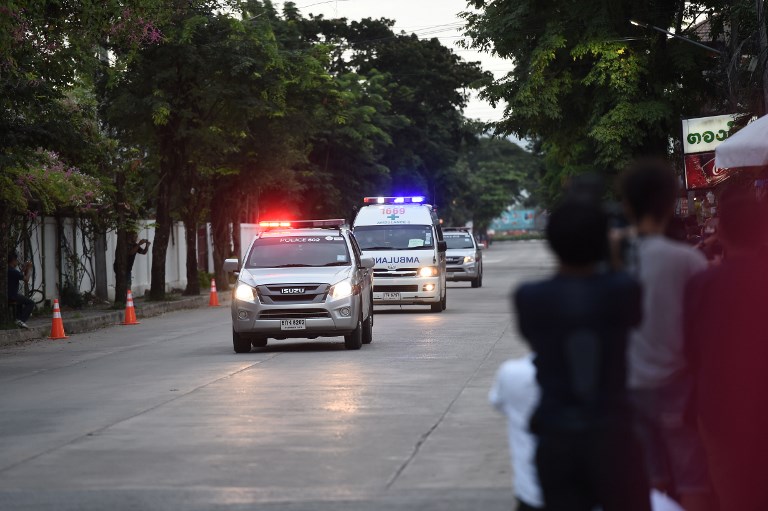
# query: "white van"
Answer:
x=403 y=236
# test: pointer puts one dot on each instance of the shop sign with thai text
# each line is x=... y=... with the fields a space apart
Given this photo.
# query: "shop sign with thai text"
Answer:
x=704 y=134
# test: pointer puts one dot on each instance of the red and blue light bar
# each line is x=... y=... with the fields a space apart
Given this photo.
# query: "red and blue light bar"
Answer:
x=395 y=200
x=334 y=223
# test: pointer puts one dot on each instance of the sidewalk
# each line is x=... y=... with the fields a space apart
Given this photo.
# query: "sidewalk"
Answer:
x=87 y=320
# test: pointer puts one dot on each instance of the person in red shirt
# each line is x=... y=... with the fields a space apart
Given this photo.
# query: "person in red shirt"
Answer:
x=727 y=344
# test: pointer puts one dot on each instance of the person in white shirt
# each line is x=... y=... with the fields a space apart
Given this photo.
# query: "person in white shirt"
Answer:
x=515 y=393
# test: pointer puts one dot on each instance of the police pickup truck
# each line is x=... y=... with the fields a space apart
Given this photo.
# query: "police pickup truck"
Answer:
x=302 y=279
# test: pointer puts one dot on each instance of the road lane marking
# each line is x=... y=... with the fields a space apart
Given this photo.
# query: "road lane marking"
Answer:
x=424 y=437
x=133 y=416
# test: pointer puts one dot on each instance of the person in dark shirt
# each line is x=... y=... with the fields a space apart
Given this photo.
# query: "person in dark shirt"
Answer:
x=24 y=306
x=577 y=323
x=727 y=344
x=135 y=246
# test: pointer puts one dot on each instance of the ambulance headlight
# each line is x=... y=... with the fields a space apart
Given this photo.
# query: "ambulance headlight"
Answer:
x=245 y=293
x=428 y=271
x=469 y=259
x=341 y=290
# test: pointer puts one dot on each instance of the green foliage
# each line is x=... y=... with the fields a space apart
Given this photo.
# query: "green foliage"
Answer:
x=421 y=86
x=492 y=173
x=208 y=110
x=519 y=237
x=204 y=279
x=50 y=185
x=589 y=88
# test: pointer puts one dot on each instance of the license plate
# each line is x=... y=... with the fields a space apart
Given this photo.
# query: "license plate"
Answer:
x=293 y=324
x=390 y=296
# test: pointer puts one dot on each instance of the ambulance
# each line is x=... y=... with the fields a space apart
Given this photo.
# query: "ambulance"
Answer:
x=403 y=237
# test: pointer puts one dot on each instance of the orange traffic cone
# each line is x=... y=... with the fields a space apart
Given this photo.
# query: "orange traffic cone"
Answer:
x=213 y=301
x=130 y=311
x=57 y=327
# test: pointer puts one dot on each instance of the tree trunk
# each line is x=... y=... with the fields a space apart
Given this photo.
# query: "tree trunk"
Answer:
x=222 y=239
x=6 y=314
x=190 y=233
x=236 y=241
x=162 y=236
x=120 y=266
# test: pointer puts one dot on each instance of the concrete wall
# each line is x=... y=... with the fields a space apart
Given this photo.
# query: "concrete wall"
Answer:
x=45 y=248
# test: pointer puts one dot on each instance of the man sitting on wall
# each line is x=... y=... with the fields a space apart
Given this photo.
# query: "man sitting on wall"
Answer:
x=24 y=306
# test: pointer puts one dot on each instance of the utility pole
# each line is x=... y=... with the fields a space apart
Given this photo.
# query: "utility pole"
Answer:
x=763 y=35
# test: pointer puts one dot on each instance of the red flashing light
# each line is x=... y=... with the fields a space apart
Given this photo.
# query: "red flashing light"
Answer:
x=335 y=223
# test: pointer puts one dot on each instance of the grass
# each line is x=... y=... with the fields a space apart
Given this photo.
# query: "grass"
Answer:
x=520 y=237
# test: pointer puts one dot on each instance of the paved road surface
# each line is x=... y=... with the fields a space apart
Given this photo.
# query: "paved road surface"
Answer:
x=164 y=416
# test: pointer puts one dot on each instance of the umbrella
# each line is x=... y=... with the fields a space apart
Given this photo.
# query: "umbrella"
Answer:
x=747 y=148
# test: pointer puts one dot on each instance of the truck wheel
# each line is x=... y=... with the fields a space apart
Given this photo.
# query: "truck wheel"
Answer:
x=241 y=343
x=259 y=342
x=368 y=329
x=437 y=307
x=354 y=340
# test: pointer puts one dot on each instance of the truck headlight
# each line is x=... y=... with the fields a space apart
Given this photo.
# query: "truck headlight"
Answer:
x=428 y=271
x=245 y=293
x=341 y=290
x=469 y=259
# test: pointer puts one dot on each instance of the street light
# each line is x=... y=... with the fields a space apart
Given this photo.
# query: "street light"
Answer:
x=696 y=43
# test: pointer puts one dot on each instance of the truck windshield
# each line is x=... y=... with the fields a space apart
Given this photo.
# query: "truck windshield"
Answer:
x=298 y=251
x=395 y=237
x=458 y=240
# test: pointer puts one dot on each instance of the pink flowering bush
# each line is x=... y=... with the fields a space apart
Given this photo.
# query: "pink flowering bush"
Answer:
x=52 y=184
x=135 y=30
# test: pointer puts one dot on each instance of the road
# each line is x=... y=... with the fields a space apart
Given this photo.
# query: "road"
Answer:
x=164 y=416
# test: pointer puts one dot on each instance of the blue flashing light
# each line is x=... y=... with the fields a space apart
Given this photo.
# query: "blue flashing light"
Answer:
x=395 y=200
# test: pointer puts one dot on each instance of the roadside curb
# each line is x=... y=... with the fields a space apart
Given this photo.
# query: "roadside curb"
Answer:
x=107 y=319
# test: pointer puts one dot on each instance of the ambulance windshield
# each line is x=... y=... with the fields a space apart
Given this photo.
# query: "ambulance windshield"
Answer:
x=395 y=237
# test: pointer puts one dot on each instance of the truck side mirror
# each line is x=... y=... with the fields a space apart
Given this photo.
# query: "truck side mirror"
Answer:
x=231 y=265
x=442 y=246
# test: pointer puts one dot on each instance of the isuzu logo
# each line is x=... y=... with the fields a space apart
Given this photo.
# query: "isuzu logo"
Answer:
x=292 y=291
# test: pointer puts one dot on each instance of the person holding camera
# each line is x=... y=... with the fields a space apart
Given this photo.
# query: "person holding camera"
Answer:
x=24 y=306
x=135 y=246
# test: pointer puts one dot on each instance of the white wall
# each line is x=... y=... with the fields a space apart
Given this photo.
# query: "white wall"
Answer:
x=175 y=260
x=43 y=255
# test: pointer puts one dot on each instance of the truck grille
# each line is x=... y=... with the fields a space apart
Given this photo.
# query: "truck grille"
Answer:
x=396 y=289
x=310 y=293
x=454 y=260
x=294 y=314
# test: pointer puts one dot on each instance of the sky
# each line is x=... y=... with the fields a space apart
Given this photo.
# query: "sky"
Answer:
x=426 y=18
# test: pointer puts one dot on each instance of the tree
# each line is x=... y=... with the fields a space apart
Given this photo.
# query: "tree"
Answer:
x=427 y=86
x=589 y=88
x=46 y=48
x=189 y=101
x=494 y=173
